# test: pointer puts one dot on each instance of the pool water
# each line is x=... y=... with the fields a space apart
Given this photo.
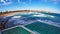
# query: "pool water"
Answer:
x=43 y=28
x=16 y=30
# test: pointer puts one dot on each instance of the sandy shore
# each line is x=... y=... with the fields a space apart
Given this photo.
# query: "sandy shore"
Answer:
x=9 y=14
x=12 y=13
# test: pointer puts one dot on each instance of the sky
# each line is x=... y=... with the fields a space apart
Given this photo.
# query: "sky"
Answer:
x=12 y=5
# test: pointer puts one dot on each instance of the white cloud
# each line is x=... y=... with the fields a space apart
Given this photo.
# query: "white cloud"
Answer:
x=19 y=1
x=5 y=3
x=43 y=0
x=53 y=1
x=2 y=1
x=30 y=1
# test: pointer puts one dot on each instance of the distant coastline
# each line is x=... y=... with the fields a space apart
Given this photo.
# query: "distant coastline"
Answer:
x=9 y=13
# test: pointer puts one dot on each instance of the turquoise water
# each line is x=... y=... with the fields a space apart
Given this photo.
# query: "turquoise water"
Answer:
x=43 y=28
x=16 y=30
